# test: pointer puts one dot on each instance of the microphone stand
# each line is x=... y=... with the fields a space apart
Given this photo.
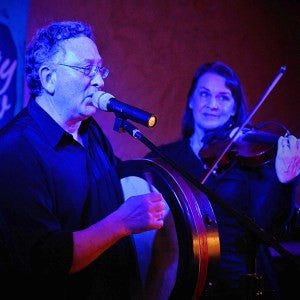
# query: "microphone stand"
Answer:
x=122 y=125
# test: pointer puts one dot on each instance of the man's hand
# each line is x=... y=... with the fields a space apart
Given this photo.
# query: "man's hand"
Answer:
x=142 y=213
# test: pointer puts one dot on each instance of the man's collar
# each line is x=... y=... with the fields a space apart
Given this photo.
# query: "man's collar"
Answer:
x=52 y=131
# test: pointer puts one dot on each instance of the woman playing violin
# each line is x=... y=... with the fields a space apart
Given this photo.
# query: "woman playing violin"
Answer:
x=215 y=106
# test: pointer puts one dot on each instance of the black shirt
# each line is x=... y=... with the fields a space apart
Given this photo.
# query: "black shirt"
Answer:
x=51 y=186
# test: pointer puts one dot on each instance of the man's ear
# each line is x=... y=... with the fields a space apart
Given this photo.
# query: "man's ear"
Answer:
x=48 y=79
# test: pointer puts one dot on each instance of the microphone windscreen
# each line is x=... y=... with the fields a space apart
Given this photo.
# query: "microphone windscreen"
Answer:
x=101 y=99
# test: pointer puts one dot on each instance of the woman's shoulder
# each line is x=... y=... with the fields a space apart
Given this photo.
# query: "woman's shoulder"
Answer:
x=173 y=148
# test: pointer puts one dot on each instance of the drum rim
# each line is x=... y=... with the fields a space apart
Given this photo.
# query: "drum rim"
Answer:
x=194 y=246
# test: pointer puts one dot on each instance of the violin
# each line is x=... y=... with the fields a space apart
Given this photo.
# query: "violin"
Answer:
x=254 y=147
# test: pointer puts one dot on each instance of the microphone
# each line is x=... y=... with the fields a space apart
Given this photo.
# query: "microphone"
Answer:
x=107 y=102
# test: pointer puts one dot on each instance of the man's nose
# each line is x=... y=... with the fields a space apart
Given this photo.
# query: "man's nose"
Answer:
x=97 y=80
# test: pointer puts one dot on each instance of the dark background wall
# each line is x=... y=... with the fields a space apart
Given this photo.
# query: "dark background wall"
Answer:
x=153 y=48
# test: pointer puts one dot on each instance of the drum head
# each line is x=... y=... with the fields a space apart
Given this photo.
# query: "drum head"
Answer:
x=177 y=261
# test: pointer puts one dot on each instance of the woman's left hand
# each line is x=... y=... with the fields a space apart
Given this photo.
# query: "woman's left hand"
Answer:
x=287 y=162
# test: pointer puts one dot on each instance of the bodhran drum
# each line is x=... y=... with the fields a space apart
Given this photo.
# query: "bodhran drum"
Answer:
x=177 y=261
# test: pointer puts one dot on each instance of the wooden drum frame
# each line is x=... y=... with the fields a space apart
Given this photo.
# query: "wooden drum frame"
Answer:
x=197 y=240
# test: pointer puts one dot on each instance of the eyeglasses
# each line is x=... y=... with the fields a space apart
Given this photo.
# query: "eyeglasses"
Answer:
x=90 y=70
x=221 y=98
